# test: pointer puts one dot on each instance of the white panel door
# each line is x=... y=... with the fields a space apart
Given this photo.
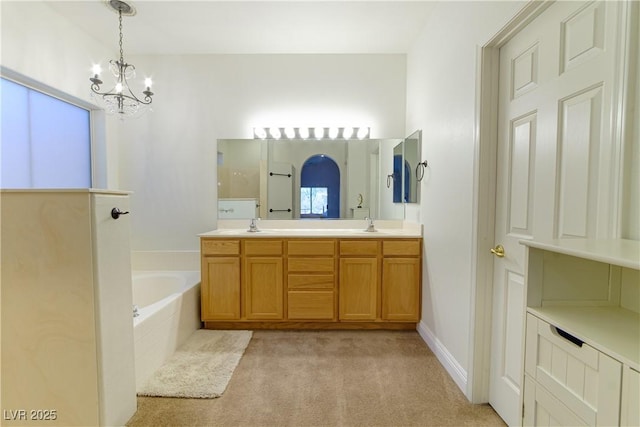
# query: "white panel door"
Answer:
x=557 y=80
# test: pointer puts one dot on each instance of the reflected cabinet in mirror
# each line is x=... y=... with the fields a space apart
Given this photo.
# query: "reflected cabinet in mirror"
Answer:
x=306 y=178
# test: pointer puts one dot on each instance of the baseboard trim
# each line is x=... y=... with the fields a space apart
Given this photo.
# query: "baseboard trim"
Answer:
x=451 y=365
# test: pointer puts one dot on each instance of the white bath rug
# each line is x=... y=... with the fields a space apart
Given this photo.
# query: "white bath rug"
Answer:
x=201 y=368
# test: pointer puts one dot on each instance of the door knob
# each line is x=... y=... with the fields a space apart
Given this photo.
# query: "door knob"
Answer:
x=498 y=251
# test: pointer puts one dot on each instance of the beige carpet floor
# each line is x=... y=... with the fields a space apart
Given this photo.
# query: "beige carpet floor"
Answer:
x=328 y=378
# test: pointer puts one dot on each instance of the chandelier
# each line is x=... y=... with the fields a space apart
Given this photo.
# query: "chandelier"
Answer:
x=121 y=99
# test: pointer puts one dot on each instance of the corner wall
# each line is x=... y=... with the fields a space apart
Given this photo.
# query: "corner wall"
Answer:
x=441 y=99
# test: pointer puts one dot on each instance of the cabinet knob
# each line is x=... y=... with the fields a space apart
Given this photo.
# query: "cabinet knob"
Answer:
x=498 y=251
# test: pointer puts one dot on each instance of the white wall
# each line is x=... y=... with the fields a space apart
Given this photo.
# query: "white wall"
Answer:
x=43 y=46
x=441 y=95
x=168 y=157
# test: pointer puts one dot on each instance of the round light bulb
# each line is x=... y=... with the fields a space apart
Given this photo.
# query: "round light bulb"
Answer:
x=290 y=132
x=260 y=133
x=275 y=133
x=318 y=133
x=363 y=132
x=347 y=132
x=304 y=133
x=333 y=132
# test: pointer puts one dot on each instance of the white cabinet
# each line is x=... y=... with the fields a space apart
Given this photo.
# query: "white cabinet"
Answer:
x=67 y=321
x=582 y=345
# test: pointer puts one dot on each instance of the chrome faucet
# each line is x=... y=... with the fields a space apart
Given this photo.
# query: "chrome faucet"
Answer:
x=370 y=226
x=135 y=311
x=253 y=227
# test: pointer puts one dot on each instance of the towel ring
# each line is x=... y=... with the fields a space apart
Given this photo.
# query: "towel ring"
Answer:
x=390 y=179
x=420 y=167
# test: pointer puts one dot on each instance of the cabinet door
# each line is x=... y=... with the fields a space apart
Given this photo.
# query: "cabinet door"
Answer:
x=401 y=289
x=263 y=288
x=220 y=288
x=358 y=291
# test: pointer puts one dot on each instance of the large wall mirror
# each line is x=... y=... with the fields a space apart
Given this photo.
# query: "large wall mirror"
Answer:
x=306 y=178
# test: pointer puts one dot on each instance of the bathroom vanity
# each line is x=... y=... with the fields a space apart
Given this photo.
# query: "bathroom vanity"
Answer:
x=311 y=278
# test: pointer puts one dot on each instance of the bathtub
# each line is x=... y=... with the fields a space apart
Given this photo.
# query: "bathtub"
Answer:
x=168 y=307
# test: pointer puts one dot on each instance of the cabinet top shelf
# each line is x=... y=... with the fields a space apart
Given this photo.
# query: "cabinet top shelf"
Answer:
x=620 y=252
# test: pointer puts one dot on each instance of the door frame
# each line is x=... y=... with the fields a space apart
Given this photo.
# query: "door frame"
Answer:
x=484 y=191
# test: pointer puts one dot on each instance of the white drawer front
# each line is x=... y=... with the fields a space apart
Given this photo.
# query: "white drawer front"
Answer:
x=543 y=409
x=584 y=379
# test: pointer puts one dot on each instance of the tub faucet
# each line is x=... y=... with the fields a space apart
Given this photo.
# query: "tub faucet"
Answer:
x=370 y=226
x=135 y=311
x=253 y=227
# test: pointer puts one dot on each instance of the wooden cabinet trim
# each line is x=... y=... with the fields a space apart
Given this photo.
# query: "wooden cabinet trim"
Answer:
x=394 y=247
x=220 y=247
x=359 y=247
x=256 y=247
x=306 y=247
x=300 y=265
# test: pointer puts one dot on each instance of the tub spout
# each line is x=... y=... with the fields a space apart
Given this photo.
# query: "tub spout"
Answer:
x=135 y=311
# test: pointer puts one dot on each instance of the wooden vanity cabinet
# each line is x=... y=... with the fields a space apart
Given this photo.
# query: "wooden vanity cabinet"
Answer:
x=311 y=282
x=220 y=282
x=359 y=279
x=311 y=279
x=401 y=267
x=262 y=280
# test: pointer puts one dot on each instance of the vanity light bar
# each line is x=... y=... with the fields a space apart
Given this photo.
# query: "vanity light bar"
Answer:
x=312 y=133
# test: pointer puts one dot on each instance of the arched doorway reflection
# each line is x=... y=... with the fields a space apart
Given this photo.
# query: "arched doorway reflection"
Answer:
x=320 y=188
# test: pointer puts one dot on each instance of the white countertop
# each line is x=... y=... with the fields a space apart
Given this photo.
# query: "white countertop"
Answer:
x=330 y=229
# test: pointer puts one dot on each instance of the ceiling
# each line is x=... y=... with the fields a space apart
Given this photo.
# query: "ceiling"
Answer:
x=253 y=27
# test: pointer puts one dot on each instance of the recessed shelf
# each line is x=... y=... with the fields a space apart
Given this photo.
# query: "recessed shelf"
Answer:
x=621 y=252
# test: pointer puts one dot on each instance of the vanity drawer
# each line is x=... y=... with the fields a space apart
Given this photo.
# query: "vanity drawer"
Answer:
x=311 y=265
x=220 y=247
x=310 y=305
x=310 y=281
x=359 y=247
x=584 y=379
x=263 y=247
x=401 y=247
x=311 y=247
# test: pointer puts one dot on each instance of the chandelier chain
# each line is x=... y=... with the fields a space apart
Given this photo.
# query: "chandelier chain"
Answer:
x=120 y=29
